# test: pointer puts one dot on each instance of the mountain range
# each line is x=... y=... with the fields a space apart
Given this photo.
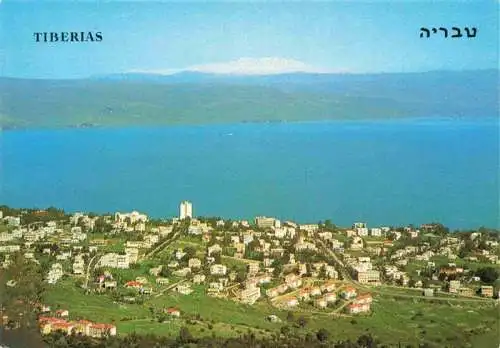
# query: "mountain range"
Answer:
x=199 y=98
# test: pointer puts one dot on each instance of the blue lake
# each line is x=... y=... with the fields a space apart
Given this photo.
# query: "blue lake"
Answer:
x=382 y=172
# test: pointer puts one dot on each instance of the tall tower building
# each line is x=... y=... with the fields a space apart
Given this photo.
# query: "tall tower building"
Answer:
x=186 y=210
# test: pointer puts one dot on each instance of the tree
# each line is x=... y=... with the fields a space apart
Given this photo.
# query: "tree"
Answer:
x=328 y=225
x=285 y=330
x=19 y=301
x=302 y=321
x=241 y=276
x=366 y=341
x=290 y=316
x=322 y=335
x=278 y=268
x=217 y=257
x=488 y=274
x=165 y=272
x=190 y=252
x=184 y=335
x=322 y=273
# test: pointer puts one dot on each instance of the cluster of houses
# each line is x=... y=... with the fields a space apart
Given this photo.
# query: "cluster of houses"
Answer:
x=360 y=304
x=277 y=242
x=59 y=322
x=325 y=294
x=321 y=295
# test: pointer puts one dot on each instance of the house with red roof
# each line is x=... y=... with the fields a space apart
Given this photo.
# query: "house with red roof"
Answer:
x=328 y=286
x=63 y=326
x=173 y=312
x=315 y=291
x=354 y=308
x=133 y=284
x=46 y=323
x=388 y=243
x=330 y=297
x=82 y=327
x=304 y=294
x=364 y=299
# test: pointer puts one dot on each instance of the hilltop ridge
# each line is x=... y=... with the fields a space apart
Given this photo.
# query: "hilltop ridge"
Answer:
x=201 y=98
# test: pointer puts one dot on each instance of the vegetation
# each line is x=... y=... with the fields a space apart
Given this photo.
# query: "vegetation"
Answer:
x=205 y=99
x=21 y=290
x=185 y=339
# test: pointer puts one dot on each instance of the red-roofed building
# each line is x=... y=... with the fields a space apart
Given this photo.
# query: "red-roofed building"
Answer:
x=133 y=284
x=364 y=299
x=82 y=326
x=46 y=319
x=330 y=297
x=328 y=286
x=304 y=294
x=315 y=291
x=45 y=323
x=63 y=326
x=354 y=308
x=174 y=312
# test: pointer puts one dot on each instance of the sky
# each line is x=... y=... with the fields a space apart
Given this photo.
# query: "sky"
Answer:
x=246 y=37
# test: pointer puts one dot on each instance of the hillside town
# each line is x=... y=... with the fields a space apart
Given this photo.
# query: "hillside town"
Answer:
x=313 y=268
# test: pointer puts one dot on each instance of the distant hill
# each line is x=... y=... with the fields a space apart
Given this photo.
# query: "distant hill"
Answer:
x=197 y=98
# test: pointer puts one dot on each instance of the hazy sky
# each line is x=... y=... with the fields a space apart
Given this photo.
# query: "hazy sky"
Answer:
x=376 y=36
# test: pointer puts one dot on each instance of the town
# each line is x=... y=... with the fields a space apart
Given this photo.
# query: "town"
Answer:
x=166 y=270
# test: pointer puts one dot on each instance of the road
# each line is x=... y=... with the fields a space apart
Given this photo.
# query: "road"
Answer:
x=87 y=274
x=161 y=292
x=162 y=245
x=433 y=298
x=340 y=265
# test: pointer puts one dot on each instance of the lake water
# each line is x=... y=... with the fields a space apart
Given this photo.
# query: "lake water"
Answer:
x=383 y=172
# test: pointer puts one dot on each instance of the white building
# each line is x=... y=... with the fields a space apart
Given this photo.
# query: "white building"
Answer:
x=135 y=217
x=9 y=248
x=12 y=220
x=249 y=295
x=55 y=273
x=133 y=254
x=264 y=221
x=376 y=232
x=218 y=269
x=185 y=210
x=194 y=263
x=113 y=260
x=362 y=231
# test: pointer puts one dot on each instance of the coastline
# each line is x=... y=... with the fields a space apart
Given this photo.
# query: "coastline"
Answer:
x=423 y=120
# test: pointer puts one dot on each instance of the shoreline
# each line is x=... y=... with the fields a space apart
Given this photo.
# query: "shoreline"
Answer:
x=424 y=120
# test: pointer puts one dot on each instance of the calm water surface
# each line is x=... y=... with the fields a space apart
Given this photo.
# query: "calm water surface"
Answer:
x=384 y=172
